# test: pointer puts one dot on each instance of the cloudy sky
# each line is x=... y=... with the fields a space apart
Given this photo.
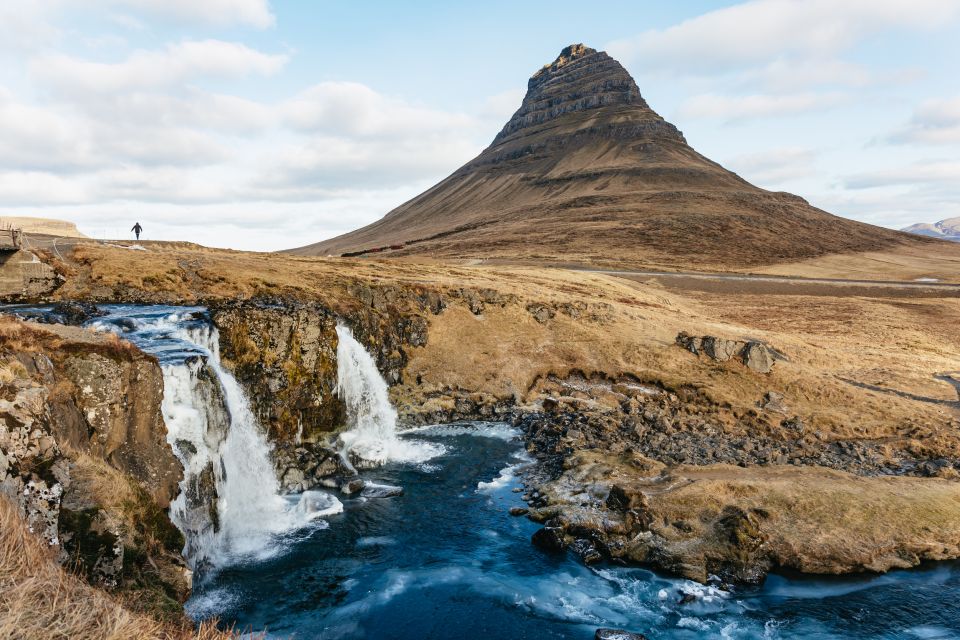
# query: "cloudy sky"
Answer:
x=262 y=124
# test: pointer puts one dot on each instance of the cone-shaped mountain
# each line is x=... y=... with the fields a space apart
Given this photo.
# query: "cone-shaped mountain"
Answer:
x=586 y=172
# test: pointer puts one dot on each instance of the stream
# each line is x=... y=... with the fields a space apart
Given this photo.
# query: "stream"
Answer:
x=445 y=559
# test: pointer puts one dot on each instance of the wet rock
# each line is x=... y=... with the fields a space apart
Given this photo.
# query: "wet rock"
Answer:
x=373 y=490
x=686 y=598
x=519 y=511
x=550 y=539
x=125 y=324
x=75 y=313
x=586 y=550
x=352 y=485
x=617 y=634
x=292 y=480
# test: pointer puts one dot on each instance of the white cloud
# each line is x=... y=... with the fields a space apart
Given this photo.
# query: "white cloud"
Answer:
x=746 y=107
x=894 y=208
x=325 y=162
x=34 y=187
x=218 y=13
x=350 y=108
x=26 y=26
x=931 y=172
x=175 y=64
x=933 y=122
x=774 y=166
x=751 y=33
x=32 y=137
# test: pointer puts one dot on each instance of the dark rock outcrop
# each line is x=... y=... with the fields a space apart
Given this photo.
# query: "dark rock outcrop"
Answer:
x=755 y=355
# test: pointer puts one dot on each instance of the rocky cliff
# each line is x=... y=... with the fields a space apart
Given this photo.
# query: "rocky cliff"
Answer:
x=83 y=454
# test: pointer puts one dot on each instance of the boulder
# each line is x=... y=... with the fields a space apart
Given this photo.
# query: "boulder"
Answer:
x=758 y=357
x=773 y=401
x=550 y=539
x=691 y=343
x=75 y=313
x=373 y=490
x=586 y=550
x=623 y=500
x=721 y=349
x=352 y=485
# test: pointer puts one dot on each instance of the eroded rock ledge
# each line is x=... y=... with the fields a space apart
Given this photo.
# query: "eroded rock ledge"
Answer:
x=83 y=454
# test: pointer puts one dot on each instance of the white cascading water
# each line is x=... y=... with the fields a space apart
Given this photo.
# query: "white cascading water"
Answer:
x=250 y=504
x=371 y=436
x=250 y=508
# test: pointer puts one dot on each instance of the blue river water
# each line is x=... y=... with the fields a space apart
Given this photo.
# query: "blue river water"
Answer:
x=446 y=560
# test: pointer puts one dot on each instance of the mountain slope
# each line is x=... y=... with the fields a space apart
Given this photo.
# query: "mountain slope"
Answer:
x=948 y=229
x=586 y=172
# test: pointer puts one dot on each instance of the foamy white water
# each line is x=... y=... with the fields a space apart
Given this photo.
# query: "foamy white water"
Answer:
x=227 y=443
x=372 y=432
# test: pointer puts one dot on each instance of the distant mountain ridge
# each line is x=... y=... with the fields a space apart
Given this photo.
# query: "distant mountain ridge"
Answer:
x=46 y=226
x=586 y=172
x=948 y=229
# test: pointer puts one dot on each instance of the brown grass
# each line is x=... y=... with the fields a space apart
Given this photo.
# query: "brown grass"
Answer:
x=41 y=601
x=860 y=367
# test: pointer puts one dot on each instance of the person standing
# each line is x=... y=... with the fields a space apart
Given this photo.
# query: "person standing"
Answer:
x=137 y=229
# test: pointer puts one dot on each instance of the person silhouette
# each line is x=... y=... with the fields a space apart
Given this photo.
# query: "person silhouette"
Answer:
x=137 y=229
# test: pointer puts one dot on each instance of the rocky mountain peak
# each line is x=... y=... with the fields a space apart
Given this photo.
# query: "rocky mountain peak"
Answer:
x=567 y=55
x=581 y=78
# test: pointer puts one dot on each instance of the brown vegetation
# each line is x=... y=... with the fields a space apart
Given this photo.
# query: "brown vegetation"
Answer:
x=39 y=600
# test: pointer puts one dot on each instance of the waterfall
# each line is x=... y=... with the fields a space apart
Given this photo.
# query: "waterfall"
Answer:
x=371 y=437
x=230 y=505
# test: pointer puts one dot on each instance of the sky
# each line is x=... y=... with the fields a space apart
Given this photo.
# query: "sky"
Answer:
x=262 y=125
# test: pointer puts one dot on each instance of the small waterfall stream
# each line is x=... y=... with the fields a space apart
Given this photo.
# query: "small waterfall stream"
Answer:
x=249 y=507
x=230 y=505
x=371 y=438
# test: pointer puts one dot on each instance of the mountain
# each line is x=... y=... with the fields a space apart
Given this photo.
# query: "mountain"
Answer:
x=45 y=226
x=586 y=172
x=948 y=229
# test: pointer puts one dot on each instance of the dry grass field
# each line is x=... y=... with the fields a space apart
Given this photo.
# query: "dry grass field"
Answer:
x=39 y=600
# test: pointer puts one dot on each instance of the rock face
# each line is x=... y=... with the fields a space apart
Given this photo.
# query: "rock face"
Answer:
x=111 y=409
x=83 y=455
x=284 y=352
x=33 y=472
x=585 y=171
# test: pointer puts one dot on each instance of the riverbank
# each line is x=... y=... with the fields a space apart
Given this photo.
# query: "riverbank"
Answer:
x=847 y=396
